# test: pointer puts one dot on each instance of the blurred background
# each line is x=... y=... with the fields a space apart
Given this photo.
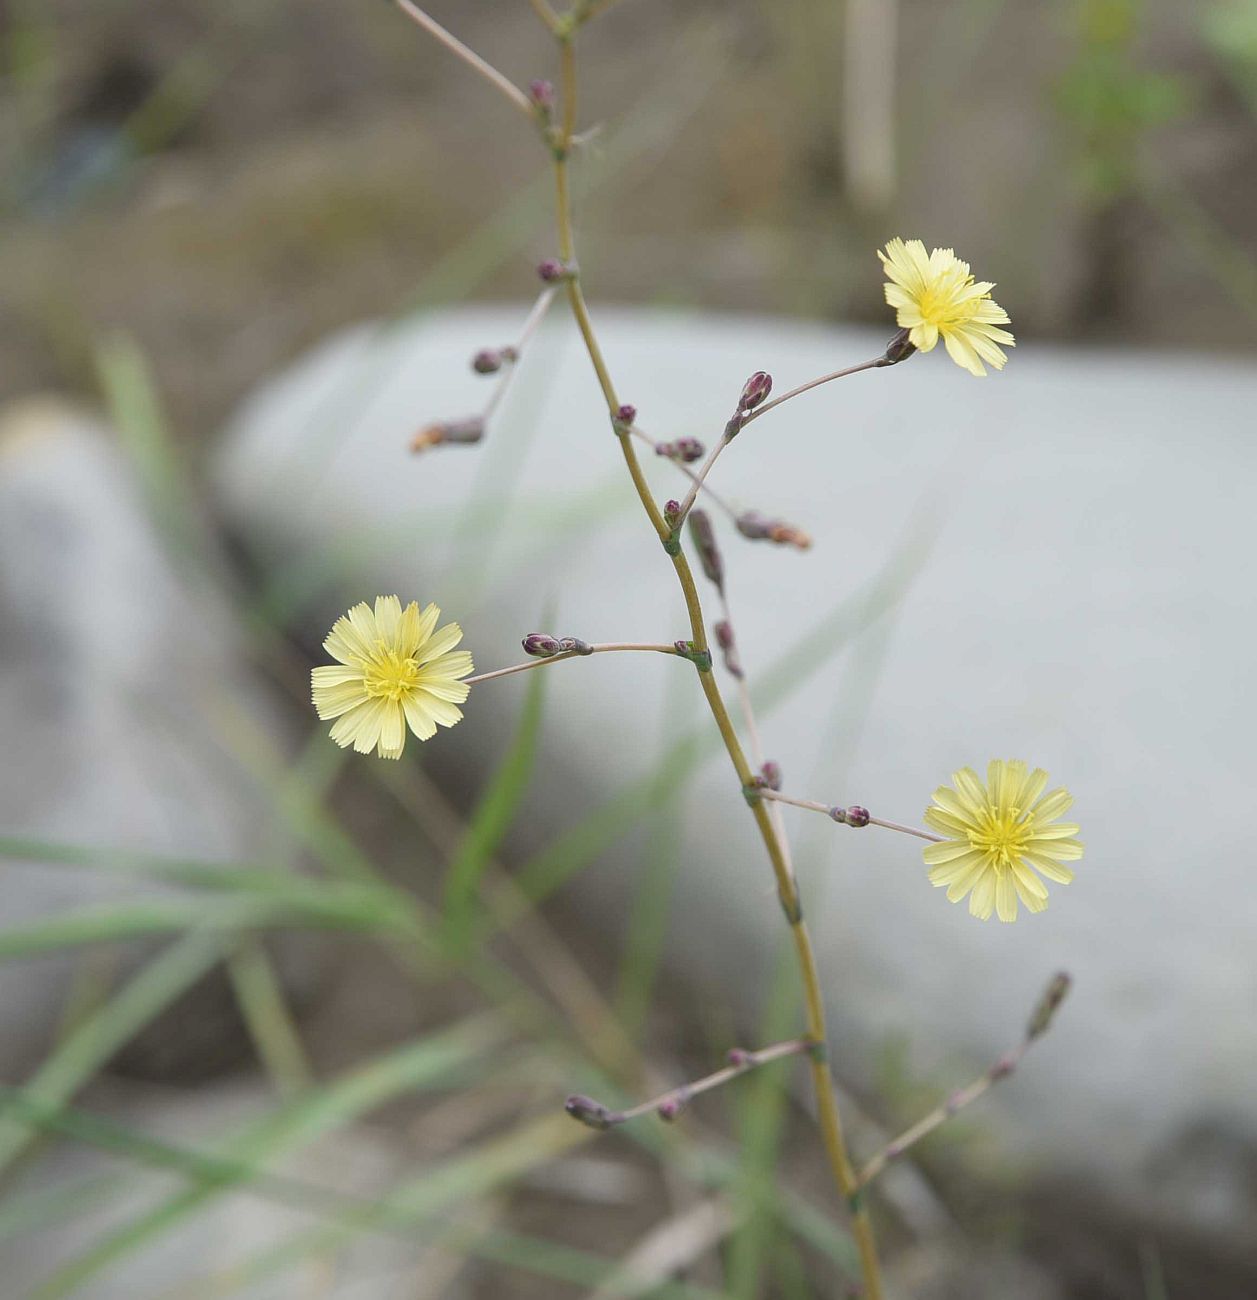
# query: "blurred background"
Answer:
x=278 y=1025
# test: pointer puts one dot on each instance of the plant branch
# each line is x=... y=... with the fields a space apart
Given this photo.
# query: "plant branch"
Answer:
x=711 y=492
x=669 y=1105
x=853 y=816
x=583 y=652
x=876 y=364
x=516 y=352
x=1040 y=1021
x=468 y=56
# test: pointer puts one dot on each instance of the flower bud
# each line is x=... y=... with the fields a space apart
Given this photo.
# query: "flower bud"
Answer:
x=671 y=512
x=704 y=538
x=900 y=348
x=755 y=390
x=541 y=645
x=589 y=1112
x=541 y=92
x=574 y=645
x=551 y=270
x=1053 y=996
x=689 y=450
x=626 y=414
x=738 y=1057
x=771 y=772
x=669 y=1108
x=461 y=431
x=487 y=361
x=857 y=816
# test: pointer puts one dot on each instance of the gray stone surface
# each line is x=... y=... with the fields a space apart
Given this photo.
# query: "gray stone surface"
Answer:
x=125 y=707
x=1082 y=598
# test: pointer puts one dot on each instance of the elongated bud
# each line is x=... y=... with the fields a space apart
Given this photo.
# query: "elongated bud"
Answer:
x=703 y=535
x=755 y=390
x=541 y=645
x=591 y=1113
x=457 y=431
x=757 y=527
x=574 y=645
x=900 y=348
x=1053 y=996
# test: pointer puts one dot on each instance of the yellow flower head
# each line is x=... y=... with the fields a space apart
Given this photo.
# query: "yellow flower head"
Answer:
x=935 y=295
x=393 y=670
x=998 y=836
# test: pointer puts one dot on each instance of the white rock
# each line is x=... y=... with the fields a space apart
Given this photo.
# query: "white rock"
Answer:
x=1085 y=603
x=120 y=678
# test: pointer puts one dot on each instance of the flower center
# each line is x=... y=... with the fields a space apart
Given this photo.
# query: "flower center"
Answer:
x=389 y=675
x=939 y=305
x=1002 y=837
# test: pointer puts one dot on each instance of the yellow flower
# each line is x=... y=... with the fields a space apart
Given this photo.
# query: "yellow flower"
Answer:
x=393 y=670
x=999 y=835
x=937 y=295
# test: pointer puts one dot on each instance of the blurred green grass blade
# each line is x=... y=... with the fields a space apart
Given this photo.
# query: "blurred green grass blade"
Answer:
x=579 y=1267
x=325 y=902
x=116 y=922
x=495 y=1163
x=264 y=1007
x=761 y=1111
x=437 y=1060
x=135 y=411
x=492 y=819
x=651 y=910
x=789 y=1271
x=95 y=1041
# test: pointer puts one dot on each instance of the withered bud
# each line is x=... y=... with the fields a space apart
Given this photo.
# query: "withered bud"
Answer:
x=757 y=527
x=900 y=348
x=755 y=390
x=1053 y=996
x=541 y=92
x=771 y=772
x=723 y=632
x=703 y=535
x=589 y=1112
x=541 y=645
x=460 y=431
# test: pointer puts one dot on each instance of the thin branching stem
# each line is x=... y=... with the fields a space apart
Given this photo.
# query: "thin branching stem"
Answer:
x=787 y=889
x=875 y=364
x=716 y=499
x=668 y=1105
x=813 y=805
x=1040 y=1022
x=451 y=42
x=583 y=653
x=527 y=330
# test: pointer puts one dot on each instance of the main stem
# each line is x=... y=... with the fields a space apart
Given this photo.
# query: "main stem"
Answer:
x=787 y=889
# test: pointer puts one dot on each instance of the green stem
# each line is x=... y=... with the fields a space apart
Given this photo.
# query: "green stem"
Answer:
x=787 y=889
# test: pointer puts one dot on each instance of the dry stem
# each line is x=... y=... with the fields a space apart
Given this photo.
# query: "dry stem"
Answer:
x=583 y=653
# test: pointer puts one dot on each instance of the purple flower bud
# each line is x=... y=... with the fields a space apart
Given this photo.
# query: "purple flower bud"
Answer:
x=669 y=1108
x=626 y=414
x=771 y=772
x=541 y=92
x=487 y=361
x=551 y=270
x=1003 y=1067
x=682 y=647
x=755 y=390
x=589 y=1112
x=738 y=1057
x=689 y=450
x=857 y=816
x=671 y=511
x=541 y=645
x=723 y=631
